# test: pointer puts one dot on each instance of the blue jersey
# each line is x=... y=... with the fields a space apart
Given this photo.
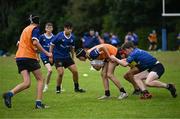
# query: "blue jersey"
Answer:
x=143 y=59
x=115 y=41
x=133 y=38
x=62 y=45
x=45 y=42
x=90 y=41
x=135 y=41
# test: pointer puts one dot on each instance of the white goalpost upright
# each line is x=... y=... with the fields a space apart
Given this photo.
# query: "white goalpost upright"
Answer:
x=164 y=33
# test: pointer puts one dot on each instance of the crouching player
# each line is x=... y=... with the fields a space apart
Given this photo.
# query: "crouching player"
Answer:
x=151 y=70
x=27 y=61
x=103 y=52
x=129 y=75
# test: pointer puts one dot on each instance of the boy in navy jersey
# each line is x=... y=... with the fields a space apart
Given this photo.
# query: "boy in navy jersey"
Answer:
x=62 y=46
x=150 y=69
x=45 y=40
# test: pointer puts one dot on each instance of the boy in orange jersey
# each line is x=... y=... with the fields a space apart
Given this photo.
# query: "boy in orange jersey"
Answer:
x=152 y=40
x=27 y=61
x=103 y=52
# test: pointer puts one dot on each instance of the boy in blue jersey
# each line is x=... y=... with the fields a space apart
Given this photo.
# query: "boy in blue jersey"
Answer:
x=45 y=40
x=151 y=70
x=90 y=39
x=132 y=37
x=62 y=46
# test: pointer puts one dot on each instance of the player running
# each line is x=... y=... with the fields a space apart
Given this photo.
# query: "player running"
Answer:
x=27 y=61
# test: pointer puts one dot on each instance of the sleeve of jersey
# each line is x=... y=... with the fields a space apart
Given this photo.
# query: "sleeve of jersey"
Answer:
x=130 y=59
x=35 y=34
x=41 y=39
x=54 y=40
x=73 y=43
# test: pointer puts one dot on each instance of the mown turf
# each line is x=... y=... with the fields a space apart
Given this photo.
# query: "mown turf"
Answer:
x=86 y=106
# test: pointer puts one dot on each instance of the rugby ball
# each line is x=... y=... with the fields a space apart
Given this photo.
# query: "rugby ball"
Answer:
x=97 y=64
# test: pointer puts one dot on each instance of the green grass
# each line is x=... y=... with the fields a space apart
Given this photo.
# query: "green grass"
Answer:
x=86 y=106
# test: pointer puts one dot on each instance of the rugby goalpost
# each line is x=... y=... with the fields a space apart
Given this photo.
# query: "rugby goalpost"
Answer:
x=164 y=32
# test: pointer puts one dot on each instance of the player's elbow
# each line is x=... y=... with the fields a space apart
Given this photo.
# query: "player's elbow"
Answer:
x=35 y=42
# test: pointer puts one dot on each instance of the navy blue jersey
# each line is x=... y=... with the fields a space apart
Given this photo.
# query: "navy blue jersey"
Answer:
x=35 y=33
x=45 y=42
x=142 y=58
x=62 y=45
x=90 y=41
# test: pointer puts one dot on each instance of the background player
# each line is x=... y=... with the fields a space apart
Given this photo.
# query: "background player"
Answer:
x=45 y=40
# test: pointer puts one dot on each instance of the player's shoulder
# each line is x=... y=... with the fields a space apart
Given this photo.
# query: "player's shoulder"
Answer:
x=59 y=35
x=42 y=35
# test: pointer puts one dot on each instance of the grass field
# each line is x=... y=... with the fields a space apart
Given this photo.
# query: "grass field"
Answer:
x=86 y=106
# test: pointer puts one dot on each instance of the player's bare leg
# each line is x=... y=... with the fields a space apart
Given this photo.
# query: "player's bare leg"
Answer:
x=49 y=69
x=74 y=72
x=60 y=72
x=105 y=82
x=20 y=87
x=111 y=76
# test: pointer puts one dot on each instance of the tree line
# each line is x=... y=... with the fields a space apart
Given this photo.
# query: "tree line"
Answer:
x=117 y=16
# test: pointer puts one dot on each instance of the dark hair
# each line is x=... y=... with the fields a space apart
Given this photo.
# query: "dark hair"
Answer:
x=34 y=19
x=49 y=24
x=68 y=24
x=128 y=45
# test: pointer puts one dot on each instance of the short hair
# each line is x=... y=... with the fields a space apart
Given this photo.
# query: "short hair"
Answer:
x=68 y=24
x=49 y=24
x=128 y=45
x=34 y=19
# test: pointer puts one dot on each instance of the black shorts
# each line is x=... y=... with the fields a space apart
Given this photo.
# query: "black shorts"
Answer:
x=46 y=62
x=63 y=62
x=158 y=68
x=28 y=64
x=153 y=43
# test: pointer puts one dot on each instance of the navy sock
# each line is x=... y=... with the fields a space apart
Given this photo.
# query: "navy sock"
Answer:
x=38 y=102
x=76 y=85
x=107 y=92
x=10 y=94
x=122 y=90
x=145 y=92
x=58 y=88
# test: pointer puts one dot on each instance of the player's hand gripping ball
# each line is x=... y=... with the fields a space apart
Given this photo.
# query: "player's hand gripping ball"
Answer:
x=97 y=64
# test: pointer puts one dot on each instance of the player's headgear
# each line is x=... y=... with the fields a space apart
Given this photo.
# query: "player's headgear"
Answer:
x=94 y=54
x=80 y=53
x=34 y=19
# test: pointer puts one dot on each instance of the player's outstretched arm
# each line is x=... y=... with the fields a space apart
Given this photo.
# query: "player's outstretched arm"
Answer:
x=122 y=62
x=38 y=45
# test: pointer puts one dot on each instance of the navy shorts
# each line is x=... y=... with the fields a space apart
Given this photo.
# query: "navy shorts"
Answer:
x=46 y=61
x=63 y=62
x=158 y=68
x=28 y=64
